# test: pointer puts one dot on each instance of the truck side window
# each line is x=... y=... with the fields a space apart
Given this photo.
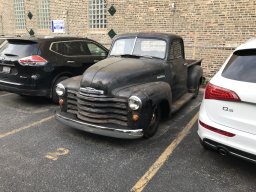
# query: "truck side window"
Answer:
x=176 y=50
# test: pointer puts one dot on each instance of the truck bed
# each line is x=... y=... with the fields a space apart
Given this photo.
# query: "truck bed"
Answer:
x=190 y=62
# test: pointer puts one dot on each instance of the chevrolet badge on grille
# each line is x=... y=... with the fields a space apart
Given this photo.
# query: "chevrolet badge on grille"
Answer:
x=91 y=90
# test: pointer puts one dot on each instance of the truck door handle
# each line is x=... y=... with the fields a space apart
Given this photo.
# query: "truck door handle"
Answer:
x=70 y=61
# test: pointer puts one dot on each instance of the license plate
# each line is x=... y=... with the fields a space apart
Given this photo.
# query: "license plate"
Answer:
x=6 y=69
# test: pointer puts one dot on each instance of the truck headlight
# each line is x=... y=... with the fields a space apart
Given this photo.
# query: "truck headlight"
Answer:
x=134 y=103
x=60 y=89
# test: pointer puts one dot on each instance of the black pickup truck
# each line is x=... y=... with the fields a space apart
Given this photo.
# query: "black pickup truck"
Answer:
x=145 y=77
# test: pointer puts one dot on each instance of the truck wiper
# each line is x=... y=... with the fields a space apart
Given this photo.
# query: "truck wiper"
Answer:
x=136 y=56
x=9 y=54
x=129 y=55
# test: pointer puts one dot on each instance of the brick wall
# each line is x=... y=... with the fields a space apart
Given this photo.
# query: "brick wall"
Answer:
x=210 y=28
x=7 y=20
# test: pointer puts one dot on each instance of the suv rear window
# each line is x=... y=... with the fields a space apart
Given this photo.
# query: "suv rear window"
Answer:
x=241 y=66
x=19 y=48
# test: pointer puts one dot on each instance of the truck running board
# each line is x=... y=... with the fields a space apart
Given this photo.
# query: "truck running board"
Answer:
x=181 y=101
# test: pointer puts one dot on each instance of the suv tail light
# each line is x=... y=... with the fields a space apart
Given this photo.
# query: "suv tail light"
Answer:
x=34 y=60
x=219 y=93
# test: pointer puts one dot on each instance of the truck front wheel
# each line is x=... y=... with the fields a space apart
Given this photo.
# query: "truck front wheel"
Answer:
x=152 y=128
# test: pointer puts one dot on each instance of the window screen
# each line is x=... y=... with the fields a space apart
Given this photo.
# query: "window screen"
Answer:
x=97 y=14
x=43 y=21
x=19 y=12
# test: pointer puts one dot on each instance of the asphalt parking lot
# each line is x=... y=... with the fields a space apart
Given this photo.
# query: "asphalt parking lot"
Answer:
x=40 y=154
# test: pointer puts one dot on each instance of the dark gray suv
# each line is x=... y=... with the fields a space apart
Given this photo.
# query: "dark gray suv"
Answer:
x=35 y=65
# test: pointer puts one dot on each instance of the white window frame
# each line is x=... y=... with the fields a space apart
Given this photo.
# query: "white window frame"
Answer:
x=43 y=18
x=97 y=14
x=19 y=12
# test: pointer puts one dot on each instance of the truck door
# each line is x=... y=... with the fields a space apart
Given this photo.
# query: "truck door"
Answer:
x=178 y=69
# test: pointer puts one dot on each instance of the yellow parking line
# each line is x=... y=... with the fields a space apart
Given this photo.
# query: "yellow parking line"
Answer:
x=25 y=127
x=144 y=180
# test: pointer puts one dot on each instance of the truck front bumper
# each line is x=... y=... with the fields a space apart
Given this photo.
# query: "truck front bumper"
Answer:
x=72 y=121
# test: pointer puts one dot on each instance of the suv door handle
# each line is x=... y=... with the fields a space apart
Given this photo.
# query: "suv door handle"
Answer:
x=70 y=61
x=95 y=61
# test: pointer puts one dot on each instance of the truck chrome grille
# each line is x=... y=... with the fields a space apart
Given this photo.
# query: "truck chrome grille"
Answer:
x=97 y=108
x=72 y=102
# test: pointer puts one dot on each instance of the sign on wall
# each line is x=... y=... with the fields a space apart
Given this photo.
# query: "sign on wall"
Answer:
x=58 y=26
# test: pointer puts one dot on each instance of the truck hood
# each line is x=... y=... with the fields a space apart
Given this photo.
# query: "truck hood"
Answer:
x=115 y=72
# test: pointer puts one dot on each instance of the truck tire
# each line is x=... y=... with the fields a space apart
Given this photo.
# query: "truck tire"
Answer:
x=194 y=78
x=197 y=90
x=152 y=128
x=54 y=96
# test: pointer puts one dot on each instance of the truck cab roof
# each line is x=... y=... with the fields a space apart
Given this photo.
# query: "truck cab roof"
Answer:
x=165 y=36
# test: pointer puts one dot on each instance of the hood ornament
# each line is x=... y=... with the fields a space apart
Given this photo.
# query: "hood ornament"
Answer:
x=90 y=90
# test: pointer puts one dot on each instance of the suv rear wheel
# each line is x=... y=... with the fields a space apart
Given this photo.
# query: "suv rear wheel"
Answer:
x=54 y=96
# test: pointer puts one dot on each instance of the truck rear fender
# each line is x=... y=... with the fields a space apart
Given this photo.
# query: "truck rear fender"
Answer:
x=195 y=75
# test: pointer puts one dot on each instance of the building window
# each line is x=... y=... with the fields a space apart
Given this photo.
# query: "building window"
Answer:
x=97 y=14
x=19 y=14
x=44 y=21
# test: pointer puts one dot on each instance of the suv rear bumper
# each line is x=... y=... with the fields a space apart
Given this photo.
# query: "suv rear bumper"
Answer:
x=72 y=121
x=229 y=150
x=19 y=88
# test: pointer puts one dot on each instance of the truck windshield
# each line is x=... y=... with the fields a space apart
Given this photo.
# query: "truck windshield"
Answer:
x=144 y=47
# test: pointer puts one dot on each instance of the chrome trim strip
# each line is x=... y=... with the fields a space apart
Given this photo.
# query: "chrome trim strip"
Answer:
x=7 y=64
x=100 y=130
x=241 y=156
x=8 y=82
x=160 y=76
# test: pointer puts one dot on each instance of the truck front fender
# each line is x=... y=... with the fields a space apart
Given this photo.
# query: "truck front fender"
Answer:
x=158 y=93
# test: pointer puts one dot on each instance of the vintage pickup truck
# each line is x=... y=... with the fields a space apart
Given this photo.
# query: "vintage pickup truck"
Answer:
x=144 y=78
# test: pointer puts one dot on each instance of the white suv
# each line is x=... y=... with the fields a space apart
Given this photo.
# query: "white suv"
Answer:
x=227 y=118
